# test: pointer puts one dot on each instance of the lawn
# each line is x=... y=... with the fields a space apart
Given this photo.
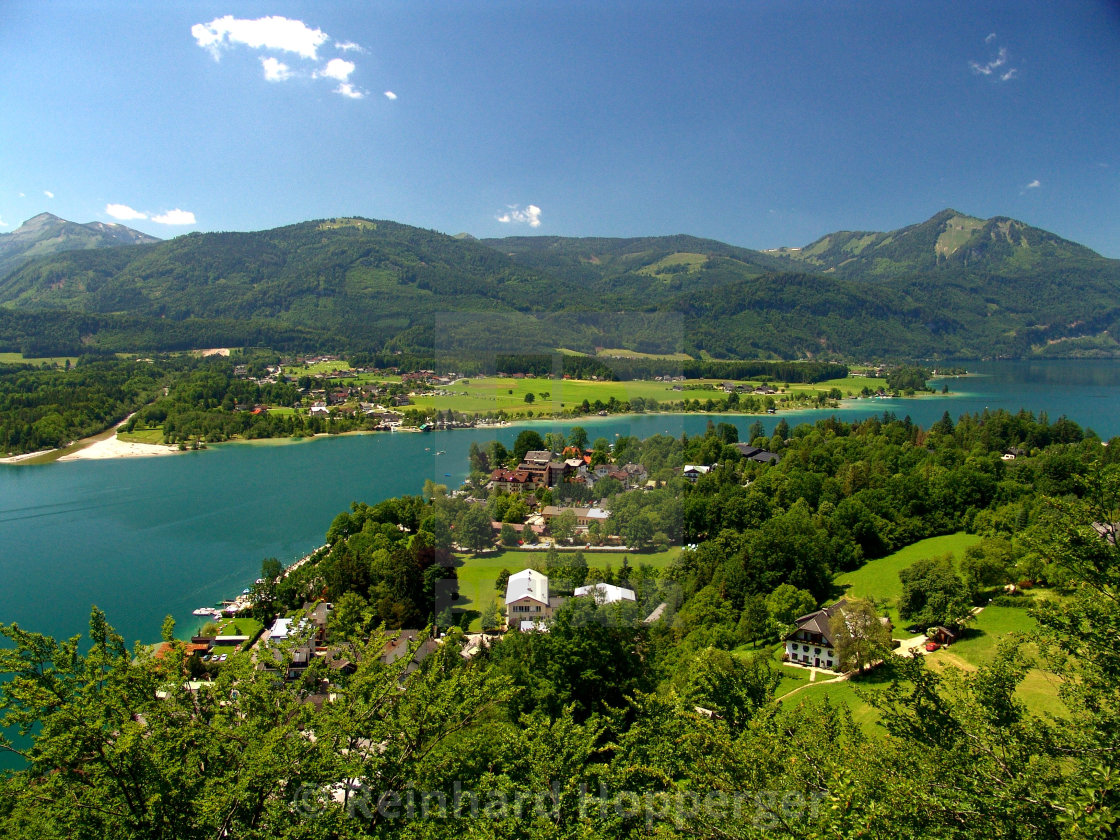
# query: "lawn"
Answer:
x=879 y=579
x=478 y=573
x=844 y=693
x=240 y=626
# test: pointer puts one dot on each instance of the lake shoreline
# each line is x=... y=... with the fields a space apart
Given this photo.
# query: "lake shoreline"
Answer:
x=107 y=446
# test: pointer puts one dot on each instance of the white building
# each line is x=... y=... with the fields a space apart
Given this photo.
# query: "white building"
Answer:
x=527 y=598
x=605 y=593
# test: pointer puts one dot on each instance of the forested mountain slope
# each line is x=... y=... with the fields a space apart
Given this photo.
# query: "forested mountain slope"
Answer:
x=953 y=286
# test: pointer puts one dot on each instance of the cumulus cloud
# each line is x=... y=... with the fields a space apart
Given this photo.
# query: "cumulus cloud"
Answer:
x=273 y=32
x=123 y=212
x=992 y=67
x=349 y=91
x=1034 y=185
x=275 y=70
x=48 y=193
x=390 y=95
x=175 y=217
x=337 y=68
x=3 y=223
x=270 y=34
x=530 y=216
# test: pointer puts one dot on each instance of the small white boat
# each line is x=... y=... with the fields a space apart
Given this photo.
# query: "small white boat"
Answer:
x=205 y=611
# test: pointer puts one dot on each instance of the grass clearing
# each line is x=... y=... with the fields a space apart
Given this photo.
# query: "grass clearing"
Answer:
x=151 y=436
x=20 y=359
x=619 y=353
x=316 y=368
x=878 y=579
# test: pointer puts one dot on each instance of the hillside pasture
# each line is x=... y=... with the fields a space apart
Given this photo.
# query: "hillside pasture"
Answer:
x=878 y=579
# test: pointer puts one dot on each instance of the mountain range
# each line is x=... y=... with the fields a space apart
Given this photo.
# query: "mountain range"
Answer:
x=47 y=234
x=954 y=286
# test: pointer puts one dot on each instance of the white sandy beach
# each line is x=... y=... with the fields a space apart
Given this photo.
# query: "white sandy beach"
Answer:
x=104 y=445
x=111 y=447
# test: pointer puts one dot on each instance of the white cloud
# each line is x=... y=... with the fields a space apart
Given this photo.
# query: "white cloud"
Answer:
x=991 y=37
x=390 y=95
x=3 y=223
x=123 y=212
x=337 y=68
x=275 y=70
x=1034 y=185
x=995 y=64
x=48 y=193
x=23 y=195
x=175 y=217
x=274 y=32
x=348 y=90
x=531 y=215
x=349 y=46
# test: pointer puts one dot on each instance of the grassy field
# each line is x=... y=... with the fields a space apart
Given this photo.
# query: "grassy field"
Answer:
x=477 y=574
x=20 y=359
x=493 y=394
x=142 y=436
x=316 y=369
x=879 y=579
x=619 y=353
x=981 y=641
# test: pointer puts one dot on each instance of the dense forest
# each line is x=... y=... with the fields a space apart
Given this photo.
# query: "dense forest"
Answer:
x=609 y=726
x=953 y=286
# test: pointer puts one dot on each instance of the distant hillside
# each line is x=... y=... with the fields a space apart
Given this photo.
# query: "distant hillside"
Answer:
x=953 y=286
x=949 y=241
x=47 y=234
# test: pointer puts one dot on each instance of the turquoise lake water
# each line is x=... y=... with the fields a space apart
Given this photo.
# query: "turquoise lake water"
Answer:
x=145 y=537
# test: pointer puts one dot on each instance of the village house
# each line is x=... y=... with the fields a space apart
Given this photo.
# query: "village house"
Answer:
x=755 y=453
x=546 y=474
x=693 y=471
x=527 y=600
x=811 y=643
x=585 y=516
x=512 y=481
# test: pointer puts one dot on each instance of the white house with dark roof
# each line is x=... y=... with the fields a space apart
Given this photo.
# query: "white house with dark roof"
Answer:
x=811 y=643
x=527 y=598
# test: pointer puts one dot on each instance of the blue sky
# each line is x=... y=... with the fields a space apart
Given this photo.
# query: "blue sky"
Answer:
x=757 y=123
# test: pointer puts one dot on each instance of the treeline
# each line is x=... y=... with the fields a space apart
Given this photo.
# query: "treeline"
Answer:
x=624 y=369
x=45 y=408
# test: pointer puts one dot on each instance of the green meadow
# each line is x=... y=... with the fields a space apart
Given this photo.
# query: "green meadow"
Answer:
x=20 y=359
x=878 y=579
